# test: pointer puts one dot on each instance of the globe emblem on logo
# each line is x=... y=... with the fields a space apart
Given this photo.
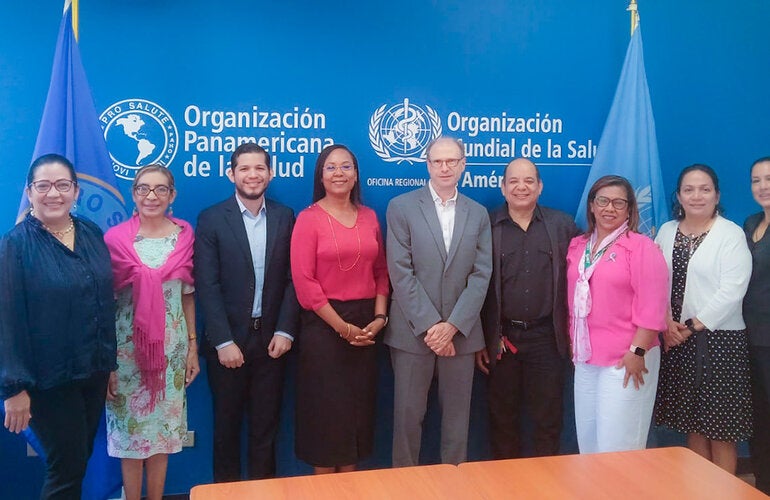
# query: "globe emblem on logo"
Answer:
x=401 y=132
x=138 y=132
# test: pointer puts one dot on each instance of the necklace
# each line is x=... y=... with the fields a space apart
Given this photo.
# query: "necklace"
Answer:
x=693 y=230
x=694 y=241
x=591 y=256
x=63 y=232
x=337 y=246
x=694 y=233
x=690 y=242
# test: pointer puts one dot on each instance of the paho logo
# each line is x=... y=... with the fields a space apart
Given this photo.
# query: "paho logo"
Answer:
x=401 y=132
x=138 y=133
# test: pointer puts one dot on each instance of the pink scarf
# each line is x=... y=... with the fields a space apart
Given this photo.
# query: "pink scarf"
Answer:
x=149 y=304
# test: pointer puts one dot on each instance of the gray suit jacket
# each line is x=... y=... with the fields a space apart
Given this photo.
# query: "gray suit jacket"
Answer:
x=430 y=285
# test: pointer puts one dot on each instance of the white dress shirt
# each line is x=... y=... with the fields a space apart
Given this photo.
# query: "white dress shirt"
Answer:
x=446 y=214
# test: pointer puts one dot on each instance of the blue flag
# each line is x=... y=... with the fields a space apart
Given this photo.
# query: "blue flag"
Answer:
x=628 y=145
x=70 y=127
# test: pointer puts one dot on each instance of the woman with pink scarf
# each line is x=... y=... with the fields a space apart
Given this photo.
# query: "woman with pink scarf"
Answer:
x=617 y=291
x=157 y=351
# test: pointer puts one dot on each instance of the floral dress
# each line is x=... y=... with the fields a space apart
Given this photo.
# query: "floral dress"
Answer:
x=133 y=431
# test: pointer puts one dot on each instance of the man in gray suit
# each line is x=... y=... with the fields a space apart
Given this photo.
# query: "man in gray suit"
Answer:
x=440 y=261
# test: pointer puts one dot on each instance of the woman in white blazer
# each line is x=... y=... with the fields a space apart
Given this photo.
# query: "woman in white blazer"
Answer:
x=704 y=386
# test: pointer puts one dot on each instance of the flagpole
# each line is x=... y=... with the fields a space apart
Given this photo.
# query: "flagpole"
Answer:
x=633 y=9
x=76 y=20
x=75 y=15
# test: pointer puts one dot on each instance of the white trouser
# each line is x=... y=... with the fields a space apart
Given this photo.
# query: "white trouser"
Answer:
x=609 y=417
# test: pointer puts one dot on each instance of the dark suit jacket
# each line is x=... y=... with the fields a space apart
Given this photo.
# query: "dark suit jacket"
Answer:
x=561 y=229
x=224 y=275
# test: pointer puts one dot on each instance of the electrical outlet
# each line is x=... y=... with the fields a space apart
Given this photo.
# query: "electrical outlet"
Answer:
x=189 y=440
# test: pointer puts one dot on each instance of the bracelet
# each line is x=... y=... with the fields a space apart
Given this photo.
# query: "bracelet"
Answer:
x=192 y=337
x=382 y=317
x=347 y=334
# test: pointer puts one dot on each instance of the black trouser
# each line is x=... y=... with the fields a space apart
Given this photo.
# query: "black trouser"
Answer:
x=531 y=379
x=65 y=419
x=253 y=390
x=760 y=392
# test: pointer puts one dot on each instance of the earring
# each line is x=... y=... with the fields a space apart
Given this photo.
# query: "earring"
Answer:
x=170 y=210
x=74 y=207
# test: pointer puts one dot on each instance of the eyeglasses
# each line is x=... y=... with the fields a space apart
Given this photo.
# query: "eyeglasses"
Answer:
x=160 y=191
x=617 y=203
x=333 y=168
x=62 y=185
x=451 y=163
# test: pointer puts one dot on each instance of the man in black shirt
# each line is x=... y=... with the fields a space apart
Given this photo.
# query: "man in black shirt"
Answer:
x=525 y=315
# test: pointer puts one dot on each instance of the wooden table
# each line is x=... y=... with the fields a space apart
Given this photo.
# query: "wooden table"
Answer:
x=653 y=474
x=438 y=482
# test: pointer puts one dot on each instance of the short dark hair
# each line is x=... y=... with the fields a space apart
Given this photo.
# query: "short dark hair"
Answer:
x=154 y=168
x=47 y=159
x=607 y=181
x=676 y=207
x=249 y=147
x=318 y=184
x=764 y=159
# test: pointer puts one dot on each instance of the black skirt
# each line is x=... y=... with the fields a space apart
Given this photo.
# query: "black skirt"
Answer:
x=336 y=390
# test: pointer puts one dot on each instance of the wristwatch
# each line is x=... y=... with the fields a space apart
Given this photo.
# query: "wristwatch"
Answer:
x=639 y=351
x=690 y=326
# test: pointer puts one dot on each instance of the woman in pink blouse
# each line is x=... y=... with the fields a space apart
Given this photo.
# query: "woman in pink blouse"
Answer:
x=618 y=291
x=340 y=275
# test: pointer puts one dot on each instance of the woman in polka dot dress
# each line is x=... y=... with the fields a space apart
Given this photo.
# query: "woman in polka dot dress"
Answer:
x=704 y=386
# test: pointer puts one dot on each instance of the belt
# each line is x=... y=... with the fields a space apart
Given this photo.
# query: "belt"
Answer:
x=255 y=324
x=525 y=325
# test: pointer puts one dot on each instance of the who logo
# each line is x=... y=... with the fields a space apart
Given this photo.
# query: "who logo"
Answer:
x=401 y=132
